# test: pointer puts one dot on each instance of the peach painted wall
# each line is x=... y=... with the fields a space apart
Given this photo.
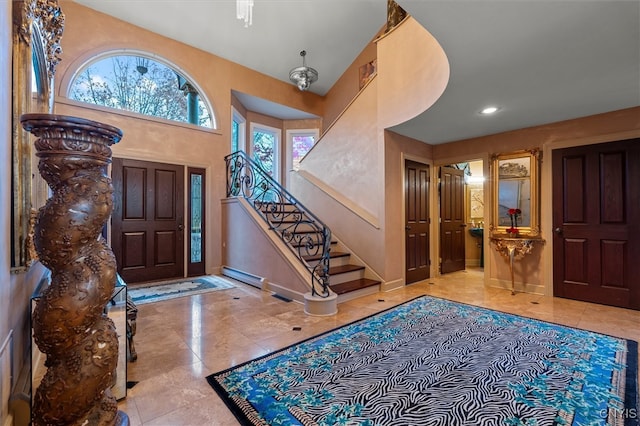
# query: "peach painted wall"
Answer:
x=399 y=148
x=249 y=249
x=341 y=180
x=346 y=88
x=351 y=178
x=416 y=66
x=536 y=270
x=89 y=33
x=413 y=72
x=348 y=152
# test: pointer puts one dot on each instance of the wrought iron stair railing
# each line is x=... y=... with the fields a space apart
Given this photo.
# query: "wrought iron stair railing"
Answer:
x=305 y=235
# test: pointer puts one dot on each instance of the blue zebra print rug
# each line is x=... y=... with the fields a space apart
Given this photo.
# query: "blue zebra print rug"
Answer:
x=435 y=362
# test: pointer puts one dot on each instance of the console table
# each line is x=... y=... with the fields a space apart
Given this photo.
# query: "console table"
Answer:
x=513 y=249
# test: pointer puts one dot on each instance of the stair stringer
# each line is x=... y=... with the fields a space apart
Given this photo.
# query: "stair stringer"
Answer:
x=356 y=260
x=368 y=273
x=258 y=256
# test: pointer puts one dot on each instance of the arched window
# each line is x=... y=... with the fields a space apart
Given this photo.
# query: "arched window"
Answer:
x=139 y=84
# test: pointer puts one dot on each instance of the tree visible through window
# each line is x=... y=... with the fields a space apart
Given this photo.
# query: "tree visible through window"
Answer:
x=264 y=146
x=301 y=144
x=141 y=85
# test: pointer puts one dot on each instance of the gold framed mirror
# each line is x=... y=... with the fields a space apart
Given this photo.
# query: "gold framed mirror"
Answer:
x=37 y=30
x=515 y=194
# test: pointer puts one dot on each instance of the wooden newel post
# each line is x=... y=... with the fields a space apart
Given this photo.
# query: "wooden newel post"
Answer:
x=70 y=325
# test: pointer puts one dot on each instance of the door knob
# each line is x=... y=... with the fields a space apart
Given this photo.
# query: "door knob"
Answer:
x=180 y=227
x=407 y=227
x=558 y=231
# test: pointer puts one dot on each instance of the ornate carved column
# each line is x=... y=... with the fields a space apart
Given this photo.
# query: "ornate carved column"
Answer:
x=70 y=325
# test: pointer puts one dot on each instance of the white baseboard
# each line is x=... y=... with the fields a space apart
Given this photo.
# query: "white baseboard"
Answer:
x=392 y=285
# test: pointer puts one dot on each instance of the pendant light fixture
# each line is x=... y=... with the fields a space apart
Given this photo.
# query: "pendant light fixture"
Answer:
x=244 y=11
x=303 y=76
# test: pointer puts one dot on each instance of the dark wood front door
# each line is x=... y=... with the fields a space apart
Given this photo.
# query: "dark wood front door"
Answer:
x=596 y=222
x=148 y=221
x=452 y=224
x=416 y=195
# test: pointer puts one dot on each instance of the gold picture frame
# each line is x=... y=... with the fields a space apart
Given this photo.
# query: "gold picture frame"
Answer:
x=37 y=31
x=516 y=186
x=475 y=202
x=366 y=72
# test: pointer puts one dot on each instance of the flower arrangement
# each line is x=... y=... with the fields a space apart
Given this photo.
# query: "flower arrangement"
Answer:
x=513 y=215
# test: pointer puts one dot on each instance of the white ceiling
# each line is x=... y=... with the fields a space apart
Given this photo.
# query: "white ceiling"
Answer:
x=540 y=61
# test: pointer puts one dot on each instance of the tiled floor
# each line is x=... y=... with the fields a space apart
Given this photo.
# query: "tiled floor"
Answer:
x=181 y=341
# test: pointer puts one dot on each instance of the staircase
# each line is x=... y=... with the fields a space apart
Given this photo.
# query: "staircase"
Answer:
x=333 y=268
x=347 y=278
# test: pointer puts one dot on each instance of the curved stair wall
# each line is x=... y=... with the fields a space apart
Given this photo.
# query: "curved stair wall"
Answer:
x=343 y=178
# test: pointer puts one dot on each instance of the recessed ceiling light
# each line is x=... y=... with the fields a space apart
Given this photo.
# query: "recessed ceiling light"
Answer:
x=489 y=110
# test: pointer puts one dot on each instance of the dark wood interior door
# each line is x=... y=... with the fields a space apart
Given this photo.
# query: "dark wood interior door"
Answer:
x=452 y=223
x=596 y=221
x=416 y=195
x=147 y=235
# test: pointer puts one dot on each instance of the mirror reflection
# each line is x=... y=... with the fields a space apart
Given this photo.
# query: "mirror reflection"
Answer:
x=515 y=193
x=37 y=31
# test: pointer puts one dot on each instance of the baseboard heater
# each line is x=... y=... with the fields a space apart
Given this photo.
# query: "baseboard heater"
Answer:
x=245 y=277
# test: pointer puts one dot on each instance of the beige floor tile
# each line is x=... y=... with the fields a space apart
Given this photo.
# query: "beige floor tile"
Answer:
x=181 y=341
x=170 y=390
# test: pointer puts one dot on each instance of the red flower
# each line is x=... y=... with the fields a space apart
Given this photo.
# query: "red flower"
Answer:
x=512 y=230
x=518 y=211
x=512 y=212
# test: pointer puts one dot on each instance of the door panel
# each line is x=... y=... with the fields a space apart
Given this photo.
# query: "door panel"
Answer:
x=595 y=215
x=416 y=195
x=147 y=221
x=452 y=225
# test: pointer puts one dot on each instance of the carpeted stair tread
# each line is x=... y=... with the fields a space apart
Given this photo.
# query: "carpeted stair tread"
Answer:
x=354 y=285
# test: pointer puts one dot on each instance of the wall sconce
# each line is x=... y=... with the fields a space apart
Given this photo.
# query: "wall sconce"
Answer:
x=244 y=11
x=303 y=76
